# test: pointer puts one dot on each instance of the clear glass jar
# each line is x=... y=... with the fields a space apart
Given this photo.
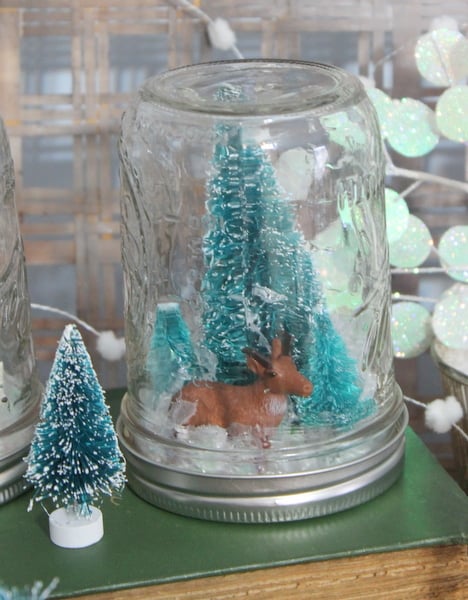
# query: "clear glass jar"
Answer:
x=20 y=389
x=260 y=374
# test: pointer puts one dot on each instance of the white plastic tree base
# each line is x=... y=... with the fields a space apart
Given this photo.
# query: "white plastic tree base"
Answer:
x=69 y=530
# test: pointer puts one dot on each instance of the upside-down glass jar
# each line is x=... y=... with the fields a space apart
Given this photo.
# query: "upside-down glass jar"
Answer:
x=260 y=375
x=20 y=389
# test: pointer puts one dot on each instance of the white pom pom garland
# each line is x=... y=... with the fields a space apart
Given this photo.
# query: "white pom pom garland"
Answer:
x=109 y=346
x=441 y=415
x=221 y=35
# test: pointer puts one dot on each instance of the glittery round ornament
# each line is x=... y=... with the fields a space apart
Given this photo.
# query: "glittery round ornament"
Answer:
x=411 y=329
x=413 y=247
x=384 y=107
x=452 y=113
x=396 y=213
x=450 y=318
x=442 y=56
x=333 y=236
x=343 y=131
x=411 y=128
x=335 y=269
x=453 y=251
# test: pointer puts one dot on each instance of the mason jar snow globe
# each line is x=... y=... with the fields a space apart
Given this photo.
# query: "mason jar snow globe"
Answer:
x=260 y=375
x=20 y=390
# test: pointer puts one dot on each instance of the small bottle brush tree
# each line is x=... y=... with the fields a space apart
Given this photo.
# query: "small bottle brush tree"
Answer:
x=171 y=358
x=74 y=456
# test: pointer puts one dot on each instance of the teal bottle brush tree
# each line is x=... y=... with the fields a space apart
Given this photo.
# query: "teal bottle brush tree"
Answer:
x=74 y=457
x=259 y=280
x=171 y=359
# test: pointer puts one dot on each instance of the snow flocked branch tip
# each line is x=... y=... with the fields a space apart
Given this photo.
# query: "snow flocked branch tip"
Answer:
x=35 y=592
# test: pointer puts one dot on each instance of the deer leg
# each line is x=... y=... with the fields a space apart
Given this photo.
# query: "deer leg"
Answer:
x=262 y=436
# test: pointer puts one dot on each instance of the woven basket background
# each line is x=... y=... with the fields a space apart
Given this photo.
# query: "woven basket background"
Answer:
x=68 y=70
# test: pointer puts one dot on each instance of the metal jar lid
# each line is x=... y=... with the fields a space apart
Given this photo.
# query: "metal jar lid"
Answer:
x=359 y=472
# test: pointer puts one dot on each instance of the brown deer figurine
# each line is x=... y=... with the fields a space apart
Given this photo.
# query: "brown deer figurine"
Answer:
x=260 y=405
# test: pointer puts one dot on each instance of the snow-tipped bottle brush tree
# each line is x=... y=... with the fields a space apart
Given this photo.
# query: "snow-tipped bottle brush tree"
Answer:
x=74 y=457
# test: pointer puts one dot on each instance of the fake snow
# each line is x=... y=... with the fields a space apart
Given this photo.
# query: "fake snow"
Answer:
x=238 y=451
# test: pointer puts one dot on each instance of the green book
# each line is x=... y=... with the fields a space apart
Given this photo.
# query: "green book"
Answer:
x=143 y=545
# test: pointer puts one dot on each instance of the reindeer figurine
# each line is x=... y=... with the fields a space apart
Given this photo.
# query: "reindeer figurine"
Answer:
x=260 y=405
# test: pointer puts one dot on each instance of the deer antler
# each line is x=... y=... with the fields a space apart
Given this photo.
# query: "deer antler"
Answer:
x=265 y=361
x=286 y=340
x=281 y=345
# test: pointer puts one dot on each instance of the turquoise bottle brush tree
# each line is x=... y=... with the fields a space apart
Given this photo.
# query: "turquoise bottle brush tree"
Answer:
x=260 y=280
x=172 y=359
x=74 y=457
